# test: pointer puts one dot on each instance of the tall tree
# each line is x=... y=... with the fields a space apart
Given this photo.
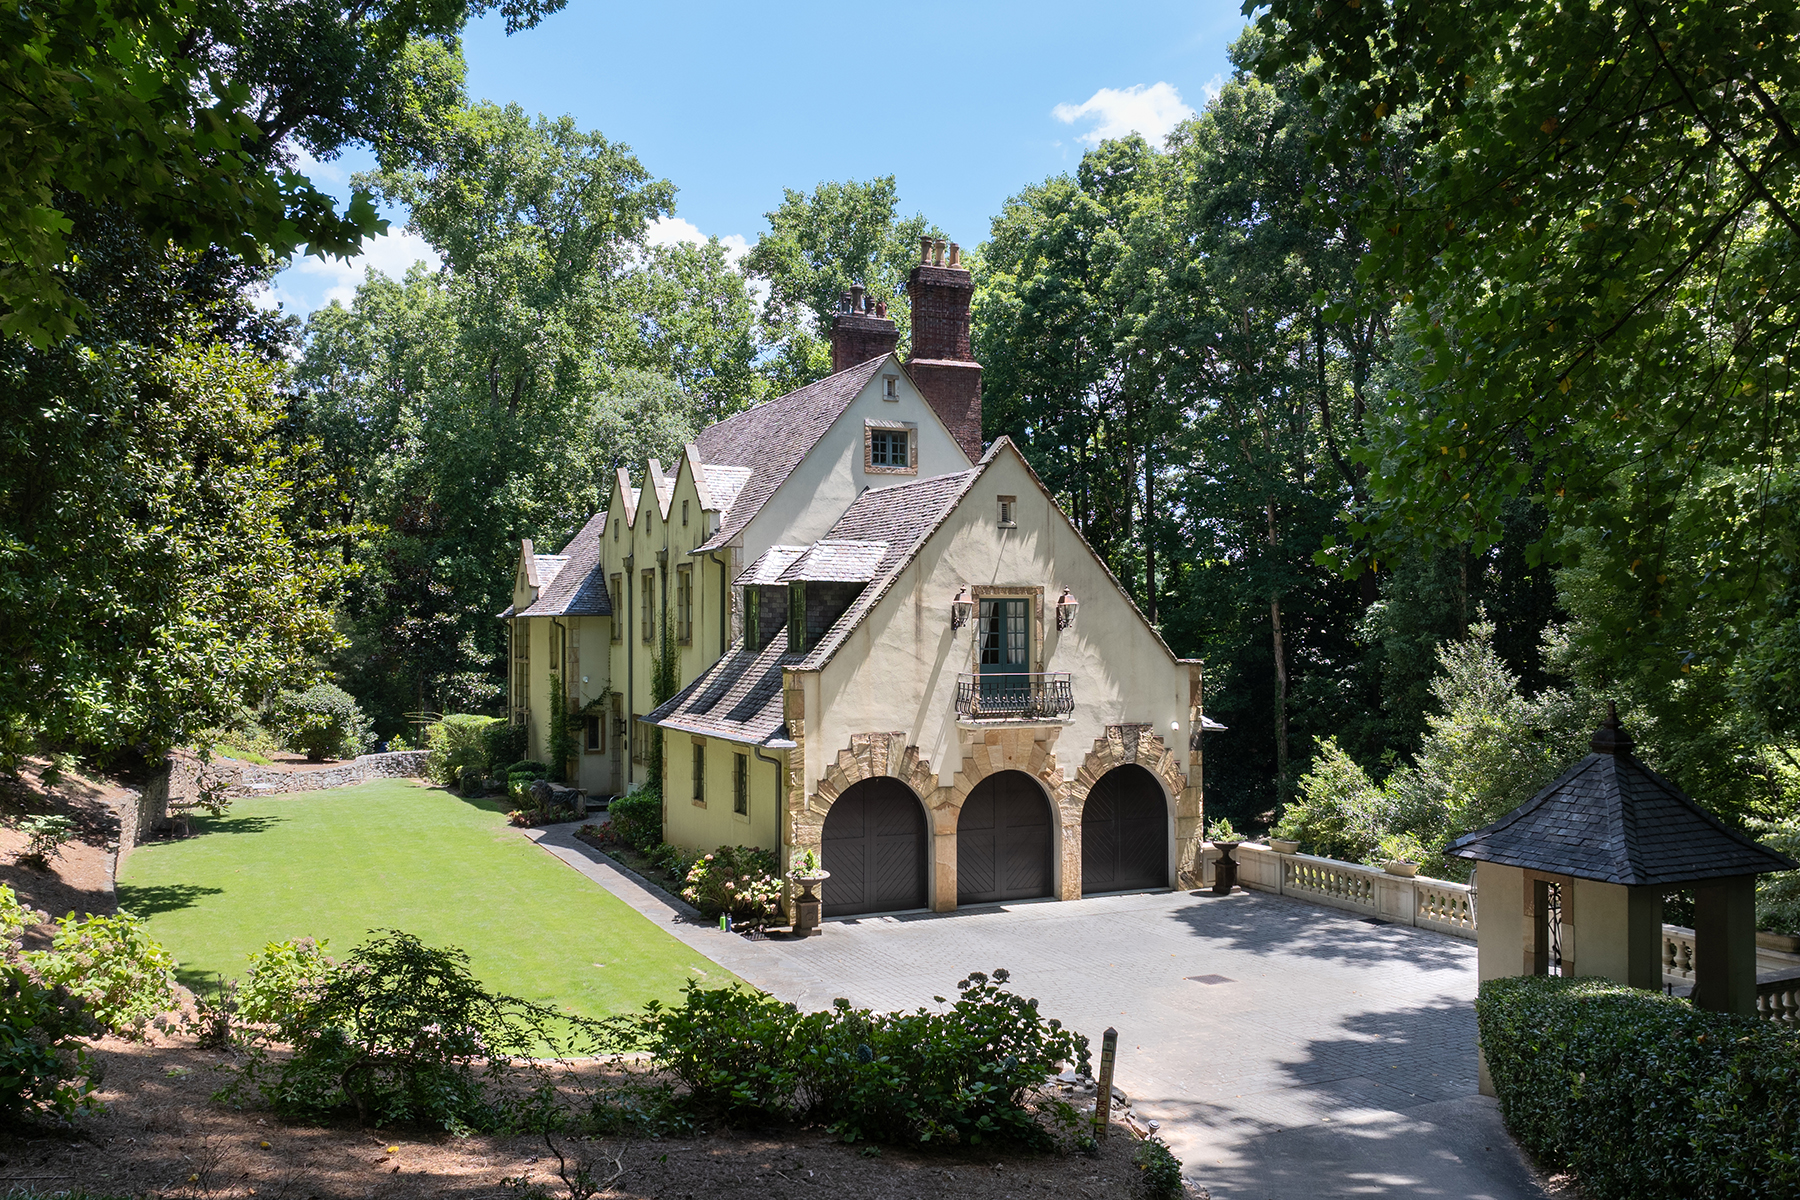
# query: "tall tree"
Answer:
x=1592 y=255
x=817 y=247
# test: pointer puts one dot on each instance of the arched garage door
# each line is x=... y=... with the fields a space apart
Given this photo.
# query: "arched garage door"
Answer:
x=1124 y=833
x=1003 y=840
x=874 y=847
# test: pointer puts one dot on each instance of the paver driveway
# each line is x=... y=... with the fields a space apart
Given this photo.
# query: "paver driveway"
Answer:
x=1325 y=1057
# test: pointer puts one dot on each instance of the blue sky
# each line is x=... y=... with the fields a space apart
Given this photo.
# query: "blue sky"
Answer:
x=964 y=103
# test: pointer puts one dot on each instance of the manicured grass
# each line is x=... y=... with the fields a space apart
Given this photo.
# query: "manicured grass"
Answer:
x=392 y=854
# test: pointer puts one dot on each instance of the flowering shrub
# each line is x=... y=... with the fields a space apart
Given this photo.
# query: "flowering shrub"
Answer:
x=739 y=880
x=284 y=977
x=113 y=965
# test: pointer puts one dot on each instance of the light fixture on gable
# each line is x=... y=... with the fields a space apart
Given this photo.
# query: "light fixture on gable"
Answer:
x=1066 y=607
x=961 y=608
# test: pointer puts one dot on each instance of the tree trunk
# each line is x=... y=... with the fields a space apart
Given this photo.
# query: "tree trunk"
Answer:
x=1281 y=679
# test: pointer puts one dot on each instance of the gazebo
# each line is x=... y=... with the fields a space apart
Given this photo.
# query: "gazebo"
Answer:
x=1572 y=881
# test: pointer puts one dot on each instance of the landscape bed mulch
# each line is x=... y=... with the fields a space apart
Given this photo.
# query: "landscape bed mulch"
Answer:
x=162 y=1135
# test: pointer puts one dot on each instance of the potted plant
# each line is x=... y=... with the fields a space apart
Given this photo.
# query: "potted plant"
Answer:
x=806 y=870
x=1281 y=845
x=1225 y=839
x=1400 y=854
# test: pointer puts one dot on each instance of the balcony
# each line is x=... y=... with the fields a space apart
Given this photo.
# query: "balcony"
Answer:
x=1014 y=697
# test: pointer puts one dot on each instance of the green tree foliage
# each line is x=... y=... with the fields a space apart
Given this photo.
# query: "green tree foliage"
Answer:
x=817 y=246
x=154 y=566
x=1591 y=254
x=468 y=408
x=324 y=721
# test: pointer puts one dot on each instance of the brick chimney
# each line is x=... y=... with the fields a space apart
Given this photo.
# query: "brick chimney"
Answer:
x=943 y=365
x=860 y=331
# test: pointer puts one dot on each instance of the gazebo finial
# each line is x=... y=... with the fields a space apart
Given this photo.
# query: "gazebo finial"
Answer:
x=1611 y=737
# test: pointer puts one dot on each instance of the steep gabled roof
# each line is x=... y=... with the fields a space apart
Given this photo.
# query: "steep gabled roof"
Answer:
x=1612 y=819
x=577 y=587
x=738 y=698
x=772 y=438
x=900 y=519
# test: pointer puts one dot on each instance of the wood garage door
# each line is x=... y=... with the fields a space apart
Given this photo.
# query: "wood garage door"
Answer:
x=1003 y=841
x=874 y=847
x=1124 y=833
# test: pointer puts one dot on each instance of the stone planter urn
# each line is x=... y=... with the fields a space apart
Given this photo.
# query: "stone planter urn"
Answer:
x=1786 y=943
x=1283 y=846
x=1225 y=870
x=806 y=907
x=1401 y=867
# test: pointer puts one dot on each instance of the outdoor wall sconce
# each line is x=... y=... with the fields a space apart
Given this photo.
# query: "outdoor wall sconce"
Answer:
x=961 y=608
x=1066 y=607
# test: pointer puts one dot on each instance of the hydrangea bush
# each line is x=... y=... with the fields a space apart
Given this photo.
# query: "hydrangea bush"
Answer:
x=739 y=880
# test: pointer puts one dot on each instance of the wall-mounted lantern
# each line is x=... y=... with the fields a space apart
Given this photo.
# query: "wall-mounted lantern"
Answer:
x=961 y=608
x=1066 y=607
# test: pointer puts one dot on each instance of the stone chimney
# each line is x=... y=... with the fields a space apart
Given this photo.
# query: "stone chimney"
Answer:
x=943 y=365
x=860 y=331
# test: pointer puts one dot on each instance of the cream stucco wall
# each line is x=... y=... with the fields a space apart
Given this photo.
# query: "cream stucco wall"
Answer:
x=705 y=826
x=898 y=670
x=832 y=474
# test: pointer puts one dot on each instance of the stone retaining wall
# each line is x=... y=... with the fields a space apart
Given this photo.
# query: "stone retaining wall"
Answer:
x=396 y=764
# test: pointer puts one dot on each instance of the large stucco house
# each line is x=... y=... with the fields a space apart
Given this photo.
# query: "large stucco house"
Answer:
x=889 y=644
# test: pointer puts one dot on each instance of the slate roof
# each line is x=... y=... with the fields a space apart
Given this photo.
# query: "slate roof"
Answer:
x=898 y=518
x=577 y=586
x=770 y=564
x=830 y=560
x=771 y=439
x=724 y=484
x=1612 y=819
x=738 y=698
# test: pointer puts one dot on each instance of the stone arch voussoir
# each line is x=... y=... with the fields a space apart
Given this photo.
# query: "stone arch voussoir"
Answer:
x=869 y=756
x=1123 y=744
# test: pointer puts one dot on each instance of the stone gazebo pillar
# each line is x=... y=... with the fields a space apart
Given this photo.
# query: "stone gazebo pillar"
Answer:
x=1572 y=880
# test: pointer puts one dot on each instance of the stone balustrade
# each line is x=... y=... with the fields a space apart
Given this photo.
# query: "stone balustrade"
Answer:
x=1450 y=908
x=1423 y=903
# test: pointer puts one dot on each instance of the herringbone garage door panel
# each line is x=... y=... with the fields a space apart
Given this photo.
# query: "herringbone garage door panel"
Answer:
x=874 y=846
x=1003 y=841
x=1124 y=833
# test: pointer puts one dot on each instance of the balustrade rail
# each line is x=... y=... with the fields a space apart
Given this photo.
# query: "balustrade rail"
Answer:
x=1779 y=1000
x=1014 y=696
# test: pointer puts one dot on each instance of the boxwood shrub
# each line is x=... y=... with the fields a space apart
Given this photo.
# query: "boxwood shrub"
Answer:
x=1642 y=1095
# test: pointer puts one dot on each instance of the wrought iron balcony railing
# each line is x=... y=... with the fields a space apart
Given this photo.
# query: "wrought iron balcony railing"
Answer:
x=1014 y=697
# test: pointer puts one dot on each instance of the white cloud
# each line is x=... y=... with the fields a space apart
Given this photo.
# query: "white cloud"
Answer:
x=315 y=282
x=1151 y=110
x=667 y=231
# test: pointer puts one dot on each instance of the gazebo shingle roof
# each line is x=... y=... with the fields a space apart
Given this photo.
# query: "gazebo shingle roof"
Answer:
x=1612 y=819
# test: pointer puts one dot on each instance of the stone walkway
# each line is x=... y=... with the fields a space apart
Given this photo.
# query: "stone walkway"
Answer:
x=1317 y=1056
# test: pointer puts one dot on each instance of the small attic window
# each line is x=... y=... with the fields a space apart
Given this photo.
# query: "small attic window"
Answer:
x=615 y=531
x=890 y=387
x=1009 y=511
x=684 y=505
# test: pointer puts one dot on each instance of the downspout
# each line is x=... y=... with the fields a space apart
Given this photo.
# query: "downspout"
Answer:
x=562 y=671
x=781 y=823
x=630 y=582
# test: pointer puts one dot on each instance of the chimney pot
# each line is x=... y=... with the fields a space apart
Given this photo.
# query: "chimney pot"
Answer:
x=843 y=301
x=924 y=250
x=856 y=298
x=955 y=254
x=937 y=253
x=881 y=308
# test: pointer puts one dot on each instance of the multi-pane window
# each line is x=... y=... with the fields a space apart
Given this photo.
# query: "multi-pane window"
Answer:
x=740 y=784
x=521 y=664
x=684 y=604
x=647 y=605
x=699 y=772
x=596 y=733
x=618 y=603
x=887 y=448
x=1003 y=635
x=752 y=614
x=637 y=737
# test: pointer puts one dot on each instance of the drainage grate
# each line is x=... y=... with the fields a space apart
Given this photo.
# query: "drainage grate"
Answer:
x=1211 y=979
x=1374 y=921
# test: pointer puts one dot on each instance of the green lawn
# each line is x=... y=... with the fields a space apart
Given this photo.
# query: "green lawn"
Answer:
x=392 y=854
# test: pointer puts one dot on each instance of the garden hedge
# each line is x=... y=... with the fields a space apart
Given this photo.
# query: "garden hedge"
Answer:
x=1640 y=1094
